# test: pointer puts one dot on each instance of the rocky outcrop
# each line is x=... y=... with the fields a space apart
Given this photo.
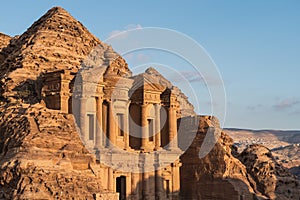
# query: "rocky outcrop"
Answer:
x=217 y=175
x=4 y=40
x=225 y=174
x=42 y=156
x=272 y=179
x=289 y=157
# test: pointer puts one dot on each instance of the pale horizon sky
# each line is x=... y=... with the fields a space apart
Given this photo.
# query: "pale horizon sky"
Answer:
x=255 y=44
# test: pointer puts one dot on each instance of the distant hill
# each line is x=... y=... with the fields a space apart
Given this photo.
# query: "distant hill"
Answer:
x=269 y=138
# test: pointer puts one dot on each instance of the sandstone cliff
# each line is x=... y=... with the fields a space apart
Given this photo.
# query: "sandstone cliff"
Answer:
x=218 y=175
x=225 y=174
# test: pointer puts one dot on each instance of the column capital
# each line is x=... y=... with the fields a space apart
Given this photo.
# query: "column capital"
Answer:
x=144 y=105
x=158 y=105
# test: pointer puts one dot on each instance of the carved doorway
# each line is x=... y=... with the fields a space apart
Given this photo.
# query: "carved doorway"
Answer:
x=121 y=187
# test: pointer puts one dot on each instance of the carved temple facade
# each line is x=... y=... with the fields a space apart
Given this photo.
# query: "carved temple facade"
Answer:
x=123 y=117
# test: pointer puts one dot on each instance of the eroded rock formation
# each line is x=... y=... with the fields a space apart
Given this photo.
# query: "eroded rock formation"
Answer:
x=273 y=180
x=217 y=175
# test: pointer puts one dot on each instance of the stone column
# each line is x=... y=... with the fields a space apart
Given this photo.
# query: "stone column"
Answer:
x=144 y=124
x=146 y=185
x=172 y=128
x=135 y=185
x=105 y=113
x=64 y=103
x=64 y=98
x=82 y=117
x=157 y=127
x=159 y=187
x=110 y=179
x=126 y=127
x=176 y=177
x=112 y=129
x=99 y=134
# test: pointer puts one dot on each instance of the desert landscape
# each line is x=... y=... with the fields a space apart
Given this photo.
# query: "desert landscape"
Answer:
x=67 y=129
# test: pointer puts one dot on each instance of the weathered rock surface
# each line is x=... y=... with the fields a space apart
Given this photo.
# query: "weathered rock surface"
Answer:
x=42 y=156
x=272 y=179
x=217 y=175
x=4 y=40
x=289 y=157
x=56 y=41
x=225 y=174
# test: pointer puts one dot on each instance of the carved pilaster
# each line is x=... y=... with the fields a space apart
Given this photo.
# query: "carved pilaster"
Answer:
x=99 y=131
x=84 y=134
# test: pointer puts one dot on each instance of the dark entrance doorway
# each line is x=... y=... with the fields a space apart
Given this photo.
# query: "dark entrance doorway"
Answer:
x=121 y=187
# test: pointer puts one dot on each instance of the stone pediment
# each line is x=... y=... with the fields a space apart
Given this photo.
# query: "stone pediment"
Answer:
x=93 y=75
x=151 y=80
x=147 y=83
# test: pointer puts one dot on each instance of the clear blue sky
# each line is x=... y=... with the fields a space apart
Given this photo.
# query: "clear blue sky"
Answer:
x=255 y=44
